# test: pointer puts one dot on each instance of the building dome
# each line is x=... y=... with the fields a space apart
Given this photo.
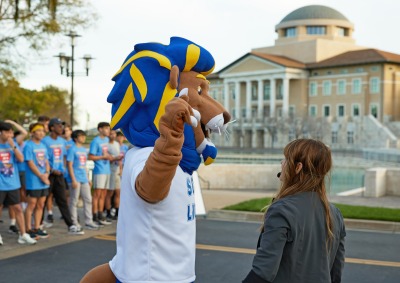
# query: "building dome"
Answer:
x=314 y=12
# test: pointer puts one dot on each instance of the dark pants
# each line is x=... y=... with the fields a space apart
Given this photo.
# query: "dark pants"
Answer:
x=58 y=187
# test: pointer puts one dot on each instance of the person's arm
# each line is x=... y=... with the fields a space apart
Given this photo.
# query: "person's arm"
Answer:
x=269 y=254
x=338 y=263
x=43 y=177
x=18 y=155
x=94 y=157
x=23 y=134
x=72 y=174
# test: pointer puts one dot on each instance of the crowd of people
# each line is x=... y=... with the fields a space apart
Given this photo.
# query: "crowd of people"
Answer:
x=49 y=162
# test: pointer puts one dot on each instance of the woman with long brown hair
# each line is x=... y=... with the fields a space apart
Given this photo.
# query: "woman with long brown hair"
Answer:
x=302 y=239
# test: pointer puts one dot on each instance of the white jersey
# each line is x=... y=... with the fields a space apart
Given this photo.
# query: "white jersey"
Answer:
x=155 y=242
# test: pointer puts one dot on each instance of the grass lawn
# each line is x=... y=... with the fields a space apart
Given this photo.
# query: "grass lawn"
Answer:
x=348 y=211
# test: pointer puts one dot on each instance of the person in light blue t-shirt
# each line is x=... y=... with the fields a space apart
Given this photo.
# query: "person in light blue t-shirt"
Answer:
x=37 y=179
x=9 y=179
x=98 y=152
x=57 y=153
x=19 y=137
x=80 y=184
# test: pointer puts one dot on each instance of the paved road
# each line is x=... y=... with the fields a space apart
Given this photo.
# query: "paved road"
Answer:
x=224 y=254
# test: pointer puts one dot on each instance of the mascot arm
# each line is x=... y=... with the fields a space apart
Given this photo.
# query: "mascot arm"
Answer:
x=153 y=183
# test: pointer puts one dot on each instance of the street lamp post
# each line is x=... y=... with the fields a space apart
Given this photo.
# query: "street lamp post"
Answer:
x=69 y=72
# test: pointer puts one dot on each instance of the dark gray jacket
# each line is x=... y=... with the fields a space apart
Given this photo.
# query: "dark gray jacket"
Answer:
x=292 y=247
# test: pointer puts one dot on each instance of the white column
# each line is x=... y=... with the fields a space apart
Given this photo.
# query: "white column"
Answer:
x=285 y=108
x=248 y=99
x=272 y=98
x=260 y=108
x=237 y=100
x=226 y=96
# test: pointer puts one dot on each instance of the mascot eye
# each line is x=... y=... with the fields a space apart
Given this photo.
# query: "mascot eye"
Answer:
x=199 y=89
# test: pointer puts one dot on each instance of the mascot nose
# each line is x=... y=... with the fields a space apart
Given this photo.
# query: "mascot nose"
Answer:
x=227 y=117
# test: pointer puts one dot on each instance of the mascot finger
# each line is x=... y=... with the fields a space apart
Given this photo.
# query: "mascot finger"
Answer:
x=195 y=118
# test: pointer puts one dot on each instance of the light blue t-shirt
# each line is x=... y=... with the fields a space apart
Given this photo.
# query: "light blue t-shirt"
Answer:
x=38 y=154
x=123 y=150
x=98 y=147
x=20 y=165
x=9 y=177
x=78 y=156
x=68 y=144
x=56 y=152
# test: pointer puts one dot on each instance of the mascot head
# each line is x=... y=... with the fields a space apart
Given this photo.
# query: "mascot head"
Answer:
x=152 y=75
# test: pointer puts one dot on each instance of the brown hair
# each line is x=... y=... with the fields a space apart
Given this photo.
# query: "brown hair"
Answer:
x=316 y=160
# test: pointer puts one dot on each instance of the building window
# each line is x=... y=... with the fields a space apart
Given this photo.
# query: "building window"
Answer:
x=253 y=93
x=279 y=92
x=373 y=110
x=315 y=30
x=233 y=93
x=355 y=112
x=340 y=110
x=313 y=89
x=375 y=69
x=350 y=137
x=253 y=112
x=356 y=87
x=243 y=112
x=279 y=111
x=292 y=111
x=334 y=137
x=327 y=86
x=344 y=71
x=290 y=32
x=341 y=87
x=359 y=70
x=267 y=91
x=340 y=31
x=312 y=111
x=374 y=85
x=326 y=110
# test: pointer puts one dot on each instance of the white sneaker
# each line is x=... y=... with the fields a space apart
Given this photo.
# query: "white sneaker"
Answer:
x=26 y=239
x=92 y=226
x=46 y=225
x=75 y=230
x=1 y=241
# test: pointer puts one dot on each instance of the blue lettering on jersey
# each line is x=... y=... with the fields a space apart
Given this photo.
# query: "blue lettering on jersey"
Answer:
x=189 y=185
x=191 y=212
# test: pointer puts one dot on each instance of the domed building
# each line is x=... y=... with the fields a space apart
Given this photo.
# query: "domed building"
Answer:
x=314 y=82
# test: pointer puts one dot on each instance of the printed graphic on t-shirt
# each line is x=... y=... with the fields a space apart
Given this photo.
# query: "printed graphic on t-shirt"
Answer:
x=41 y=159
x=104 y=149
x=57 y=154
x=82 y=160
x=6 y=167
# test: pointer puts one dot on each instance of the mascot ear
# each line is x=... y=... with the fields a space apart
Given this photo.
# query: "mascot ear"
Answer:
x=173 y=77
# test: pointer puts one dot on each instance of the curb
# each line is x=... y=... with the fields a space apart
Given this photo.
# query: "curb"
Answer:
x=358 y=224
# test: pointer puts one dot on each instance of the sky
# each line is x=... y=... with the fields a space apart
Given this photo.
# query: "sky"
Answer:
x=227 y=28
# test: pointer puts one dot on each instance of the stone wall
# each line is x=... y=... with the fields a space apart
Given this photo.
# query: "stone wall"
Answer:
x=382 y=181
x=240 y=176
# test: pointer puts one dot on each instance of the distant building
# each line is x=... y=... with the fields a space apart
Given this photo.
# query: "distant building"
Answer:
x=314 y=82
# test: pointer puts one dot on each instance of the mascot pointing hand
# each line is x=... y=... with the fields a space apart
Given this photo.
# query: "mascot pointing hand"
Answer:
x=160 y=101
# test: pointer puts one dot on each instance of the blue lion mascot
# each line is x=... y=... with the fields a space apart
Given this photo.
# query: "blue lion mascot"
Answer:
x=160 y=101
